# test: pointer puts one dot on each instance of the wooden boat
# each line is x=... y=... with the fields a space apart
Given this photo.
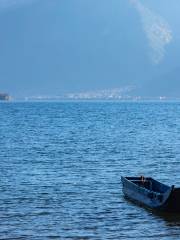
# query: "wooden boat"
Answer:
x=151 y=193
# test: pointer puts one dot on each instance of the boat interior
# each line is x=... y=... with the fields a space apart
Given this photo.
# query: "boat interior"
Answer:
x=149 y=183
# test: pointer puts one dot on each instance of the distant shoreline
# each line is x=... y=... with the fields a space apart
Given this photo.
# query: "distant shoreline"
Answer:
x=89 y=101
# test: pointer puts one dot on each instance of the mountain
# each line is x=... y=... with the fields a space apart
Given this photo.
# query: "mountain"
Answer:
x=51 y=47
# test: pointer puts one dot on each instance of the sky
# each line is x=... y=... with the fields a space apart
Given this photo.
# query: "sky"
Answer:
x=53 y=47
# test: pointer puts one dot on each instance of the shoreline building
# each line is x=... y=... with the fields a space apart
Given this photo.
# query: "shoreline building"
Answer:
x=4 y=97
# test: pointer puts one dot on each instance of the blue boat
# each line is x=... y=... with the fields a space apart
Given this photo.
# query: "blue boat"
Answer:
x=151 y=193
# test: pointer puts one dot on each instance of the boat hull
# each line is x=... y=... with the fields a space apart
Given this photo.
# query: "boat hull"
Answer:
x=167 y=199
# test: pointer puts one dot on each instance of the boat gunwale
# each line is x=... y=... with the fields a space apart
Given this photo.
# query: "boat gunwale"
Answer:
x=130 y=180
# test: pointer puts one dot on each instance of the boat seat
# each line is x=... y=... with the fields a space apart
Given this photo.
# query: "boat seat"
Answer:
x=147 y=184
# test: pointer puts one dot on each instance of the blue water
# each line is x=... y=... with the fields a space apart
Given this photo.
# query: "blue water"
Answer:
x=61 y=164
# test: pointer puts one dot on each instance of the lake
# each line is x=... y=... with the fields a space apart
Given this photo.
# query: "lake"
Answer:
x=61 y=165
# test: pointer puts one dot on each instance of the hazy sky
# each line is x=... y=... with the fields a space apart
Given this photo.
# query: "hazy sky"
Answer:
x=49 y=47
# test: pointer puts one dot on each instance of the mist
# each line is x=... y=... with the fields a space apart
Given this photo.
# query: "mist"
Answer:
x=52 y=47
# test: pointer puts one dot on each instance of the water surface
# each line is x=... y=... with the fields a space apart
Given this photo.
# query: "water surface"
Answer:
x=61 y=165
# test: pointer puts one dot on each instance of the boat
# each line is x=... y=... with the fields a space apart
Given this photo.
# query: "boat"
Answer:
x=152 y=194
